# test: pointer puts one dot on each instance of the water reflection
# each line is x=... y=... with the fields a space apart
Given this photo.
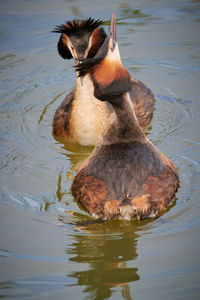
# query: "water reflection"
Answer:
x=76 y=153
x=107 y=249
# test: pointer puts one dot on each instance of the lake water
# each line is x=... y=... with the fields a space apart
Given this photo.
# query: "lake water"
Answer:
x=43 y=254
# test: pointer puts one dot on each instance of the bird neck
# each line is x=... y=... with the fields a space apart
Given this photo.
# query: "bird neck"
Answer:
x=125 y=126
x=84 y=85
x=85 y=95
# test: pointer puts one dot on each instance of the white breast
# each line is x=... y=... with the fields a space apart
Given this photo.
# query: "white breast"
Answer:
x=89 y=116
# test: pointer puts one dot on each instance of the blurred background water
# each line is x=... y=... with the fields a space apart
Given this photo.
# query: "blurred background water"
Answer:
x=42 y=254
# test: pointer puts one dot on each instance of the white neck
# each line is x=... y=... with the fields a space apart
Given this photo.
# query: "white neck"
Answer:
x=84 y=86
x=114 y=55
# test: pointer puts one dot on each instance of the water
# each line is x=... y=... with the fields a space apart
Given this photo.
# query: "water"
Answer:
x=42 y=254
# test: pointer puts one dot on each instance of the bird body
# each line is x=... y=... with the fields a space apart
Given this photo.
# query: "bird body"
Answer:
x=126 y=176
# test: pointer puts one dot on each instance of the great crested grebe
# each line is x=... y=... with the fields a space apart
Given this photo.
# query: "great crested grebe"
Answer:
x=81 y=117
x=125 y=176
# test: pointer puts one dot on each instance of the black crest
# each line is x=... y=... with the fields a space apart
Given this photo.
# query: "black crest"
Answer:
x=75 y=27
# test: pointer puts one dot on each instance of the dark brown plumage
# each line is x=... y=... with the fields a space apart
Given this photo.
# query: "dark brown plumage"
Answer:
x=125 y=176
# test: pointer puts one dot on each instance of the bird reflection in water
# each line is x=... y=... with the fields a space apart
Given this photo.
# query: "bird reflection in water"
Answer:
x=106 y=249
x=75 y=153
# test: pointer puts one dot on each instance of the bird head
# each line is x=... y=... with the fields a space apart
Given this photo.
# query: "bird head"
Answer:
x=80 y=39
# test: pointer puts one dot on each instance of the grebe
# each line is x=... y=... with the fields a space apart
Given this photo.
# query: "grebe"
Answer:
x=81 y=117
x=125 y=176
